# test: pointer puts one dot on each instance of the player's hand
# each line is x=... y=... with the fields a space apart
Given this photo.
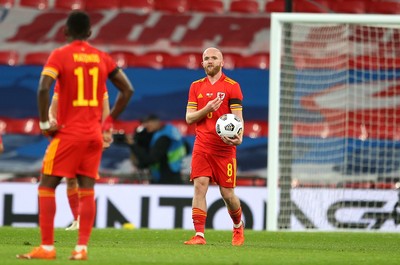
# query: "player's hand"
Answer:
x=54 y=127
x=235 y=140
x=107 y=139
x=214 y=104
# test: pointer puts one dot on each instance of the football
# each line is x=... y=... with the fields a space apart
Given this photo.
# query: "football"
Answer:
x=229 y=125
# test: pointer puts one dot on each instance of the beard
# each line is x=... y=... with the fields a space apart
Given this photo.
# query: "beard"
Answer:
x=212 y=70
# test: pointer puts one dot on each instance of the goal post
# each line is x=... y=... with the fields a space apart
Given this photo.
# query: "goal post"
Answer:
x=334 y=110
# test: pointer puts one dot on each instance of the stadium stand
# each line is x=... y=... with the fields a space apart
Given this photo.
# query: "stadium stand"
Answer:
x=172 y=6
x=153 y=60
x=69 y=4
x=210 y=6
x=102 y=5
x=39 y=4
x=7 y=3
x=350 y=6
x=9 y=57
x=184 y=60
x=143 y=5
x=258 y=61
x=244 y=6
x=36 y=58
x=122 y=58
x=383 y=7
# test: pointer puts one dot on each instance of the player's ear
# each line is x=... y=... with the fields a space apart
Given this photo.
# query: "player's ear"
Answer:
x=89 y=34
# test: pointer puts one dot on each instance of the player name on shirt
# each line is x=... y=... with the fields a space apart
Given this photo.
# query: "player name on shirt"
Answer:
x=86 y=58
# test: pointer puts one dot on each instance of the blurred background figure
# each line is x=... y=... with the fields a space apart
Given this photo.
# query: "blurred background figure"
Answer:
x=160 y=148
x=1 y=145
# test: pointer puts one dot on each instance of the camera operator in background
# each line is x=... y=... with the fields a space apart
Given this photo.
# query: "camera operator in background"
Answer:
x=159 y=147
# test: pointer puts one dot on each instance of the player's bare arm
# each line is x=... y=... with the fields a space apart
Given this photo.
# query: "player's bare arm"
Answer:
x=126 y=90
x=193 y=116
x=53 y=111
x=45 y=84
x=107 y=136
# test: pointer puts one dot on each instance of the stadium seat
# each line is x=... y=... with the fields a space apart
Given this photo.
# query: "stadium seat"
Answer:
x=36 y=58
x=142 y=5
x=173 y=6
x=383 y=7
x=209 y=6
x=39 y=4
x=244 y=6
x=350 y=6
x=258 y=61
x=7 y=3
x=275 y=6
x=122 y=58
x=315 y=6
x=184 y=60
x=20 y=126
x=69 y=4
x=92 y=5
x=256 y=129
x=230 y=60
x=153 y=60
x=9 y=57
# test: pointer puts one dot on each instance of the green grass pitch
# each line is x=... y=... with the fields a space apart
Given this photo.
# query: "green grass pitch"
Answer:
x=144 y=246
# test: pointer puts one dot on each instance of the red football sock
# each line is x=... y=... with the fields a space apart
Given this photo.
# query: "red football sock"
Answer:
x=47 y=211
x=236 y=215
x=87 y=215
x=73 y=200
x=199 y=219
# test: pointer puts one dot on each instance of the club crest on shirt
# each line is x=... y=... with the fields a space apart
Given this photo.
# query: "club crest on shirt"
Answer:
x=221 y=95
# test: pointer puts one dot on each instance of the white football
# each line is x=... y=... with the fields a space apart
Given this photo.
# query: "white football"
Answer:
x=229 y=125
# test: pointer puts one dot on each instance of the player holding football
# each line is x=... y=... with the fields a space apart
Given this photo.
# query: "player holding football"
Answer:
x=214 y=157
x=77 y=144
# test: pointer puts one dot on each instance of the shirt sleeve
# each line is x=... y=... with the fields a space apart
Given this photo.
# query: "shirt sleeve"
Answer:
x=192 y=99
x=52 y=67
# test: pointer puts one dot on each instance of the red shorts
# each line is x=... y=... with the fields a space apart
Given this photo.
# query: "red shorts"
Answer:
x=70 y=158
x=221 y=170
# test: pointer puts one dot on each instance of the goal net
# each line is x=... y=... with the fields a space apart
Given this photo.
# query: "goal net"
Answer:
x=334 y=122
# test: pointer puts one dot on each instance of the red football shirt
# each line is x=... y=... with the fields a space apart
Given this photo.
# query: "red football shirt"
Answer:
x=81 y=72
x=200 y=93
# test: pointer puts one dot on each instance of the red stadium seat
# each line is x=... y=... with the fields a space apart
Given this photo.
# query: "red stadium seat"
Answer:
x=383 y=7
x=315 y=6
x=256 y=129
x=350 y=6
x=122 y=58
x=230 y=60
x=149 y=60
x=7 y=3
x=20 y=126
x=244 y=6
x=143 y=5
x=10 y=57
x=184 y=60
x=36 y=58
x=173 y=6
x=101 y=4
x=69 y=4
x=209 y=6
x=39 y=4
x=275 y=6
x=258 y=61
